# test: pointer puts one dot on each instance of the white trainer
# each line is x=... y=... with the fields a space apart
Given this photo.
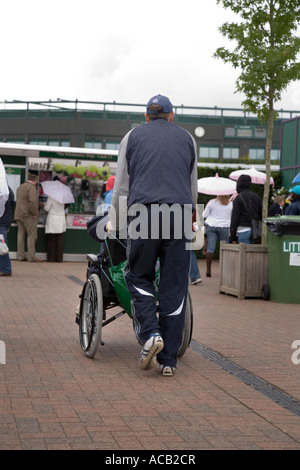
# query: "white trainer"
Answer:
x=149 y=352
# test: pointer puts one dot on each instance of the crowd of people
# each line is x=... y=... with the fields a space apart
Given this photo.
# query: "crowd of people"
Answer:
x=163 y=145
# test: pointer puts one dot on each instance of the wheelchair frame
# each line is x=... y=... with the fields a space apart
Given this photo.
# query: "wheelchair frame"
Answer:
x=94 y=307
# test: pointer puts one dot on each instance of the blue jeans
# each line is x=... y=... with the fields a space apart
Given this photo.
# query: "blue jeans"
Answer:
x=194 y=270
x=245 y=237
x=5 y=265
x=214 y=234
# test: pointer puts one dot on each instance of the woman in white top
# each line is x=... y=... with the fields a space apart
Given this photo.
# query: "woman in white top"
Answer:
x=217 y=215
x=55 y=228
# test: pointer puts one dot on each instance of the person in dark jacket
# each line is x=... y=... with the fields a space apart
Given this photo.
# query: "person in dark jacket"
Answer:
x=294 y=206
x=157 y=166
x=277 y=207
x=240 y=226
x=5 y=223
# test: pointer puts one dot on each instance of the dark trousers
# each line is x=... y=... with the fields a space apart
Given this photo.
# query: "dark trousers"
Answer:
x=55 y=247
x=143 y=255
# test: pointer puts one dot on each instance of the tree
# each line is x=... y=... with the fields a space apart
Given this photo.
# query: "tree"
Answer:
x=266 y=50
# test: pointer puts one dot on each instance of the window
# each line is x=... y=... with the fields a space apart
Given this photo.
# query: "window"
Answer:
x=275 y=154
x=231 y=153
x=257 y=153
x=260 y=132
x=53 y=143
x=230 y=131
x=89 y=144
x=208 y=152
x=37 y=142
x=14 y=141
x=112 y=145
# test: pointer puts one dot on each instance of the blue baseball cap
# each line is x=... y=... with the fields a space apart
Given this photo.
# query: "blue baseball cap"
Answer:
x=162 y=101
x=296 y=189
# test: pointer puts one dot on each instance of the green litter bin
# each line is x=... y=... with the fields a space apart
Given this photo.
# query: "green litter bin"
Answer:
x=283 y=259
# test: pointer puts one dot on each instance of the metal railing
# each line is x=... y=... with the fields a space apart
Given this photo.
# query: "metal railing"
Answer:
x=78 y=105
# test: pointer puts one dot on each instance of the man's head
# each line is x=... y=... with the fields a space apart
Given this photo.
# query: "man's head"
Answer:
x=33 y=178
x=159 y=107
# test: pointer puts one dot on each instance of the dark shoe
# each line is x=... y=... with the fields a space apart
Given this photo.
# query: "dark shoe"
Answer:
x=209 y=259
x=4 y=274
x=24 y=259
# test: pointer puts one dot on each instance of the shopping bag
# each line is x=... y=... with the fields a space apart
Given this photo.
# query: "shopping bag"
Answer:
x=117 y=275
x=3 y=246
x=256 y=231
x=121 y=289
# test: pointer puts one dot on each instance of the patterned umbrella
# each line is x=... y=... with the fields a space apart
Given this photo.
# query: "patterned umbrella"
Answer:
x=257 y=177
x=216 y=186
x=58 y=191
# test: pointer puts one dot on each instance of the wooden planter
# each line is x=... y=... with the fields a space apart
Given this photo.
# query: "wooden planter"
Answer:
x=243 y=269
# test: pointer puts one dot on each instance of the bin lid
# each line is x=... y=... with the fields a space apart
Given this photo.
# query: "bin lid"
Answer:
x=284 y=224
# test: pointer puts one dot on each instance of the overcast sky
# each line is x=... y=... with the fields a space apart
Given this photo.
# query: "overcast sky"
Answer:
x=119 y=50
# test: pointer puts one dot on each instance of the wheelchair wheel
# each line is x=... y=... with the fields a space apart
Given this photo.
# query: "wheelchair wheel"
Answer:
x=91 y=315
x=188 y=329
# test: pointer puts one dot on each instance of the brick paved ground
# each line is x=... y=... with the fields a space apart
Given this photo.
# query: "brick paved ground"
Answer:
x=53 y=397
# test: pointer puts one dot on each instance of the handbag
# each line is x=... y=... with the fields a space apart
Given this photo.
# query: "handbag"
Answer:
x=3 y=246
x=256 y=225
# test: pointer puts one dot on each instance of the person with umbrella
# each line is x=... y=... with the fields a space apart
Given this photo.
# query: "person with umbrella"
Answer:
x=217 y=212
x=217 y=216
x=246 y=203
x=55 y=225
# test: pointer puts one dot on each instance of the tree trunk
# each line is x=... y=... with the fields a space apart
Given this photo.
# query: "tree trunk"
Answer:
x=268 y=172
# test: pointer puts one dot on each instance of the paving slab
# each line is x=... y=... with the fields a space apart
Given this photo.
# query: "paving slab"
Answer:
x=235 y=388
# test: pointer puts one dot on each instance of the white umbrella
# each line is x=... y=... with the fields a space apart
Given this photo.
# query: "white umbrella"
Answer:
x=216 y=186
x=257 y=177
x=4 y=191
x=58 y=191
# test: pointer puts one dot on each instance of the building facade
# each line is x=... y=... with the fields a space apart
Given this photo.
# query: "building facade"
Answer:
x=223 y=135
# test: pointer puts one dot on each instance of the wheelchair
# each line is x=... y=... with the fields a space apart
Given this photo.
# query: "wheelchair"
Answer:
x=99 y=296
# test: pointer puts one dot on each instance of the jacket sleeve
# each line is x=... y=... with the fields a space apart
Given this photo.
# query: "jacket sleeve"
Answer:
x=47 y=206
x=33 y=201
x=207 y=210
x=292 y=209
x=194 y=176
x=11 y=202
x=235 y=215
x=121 y=187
